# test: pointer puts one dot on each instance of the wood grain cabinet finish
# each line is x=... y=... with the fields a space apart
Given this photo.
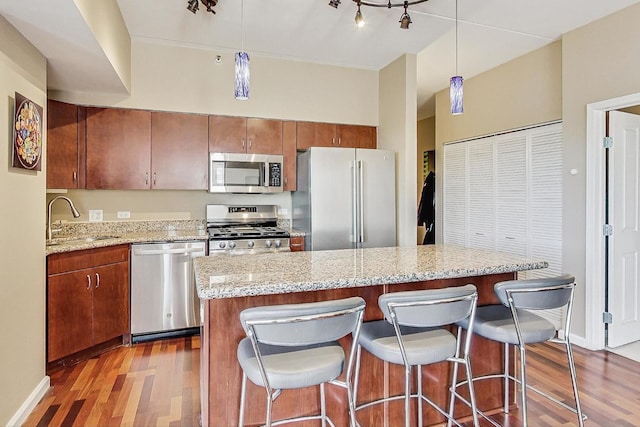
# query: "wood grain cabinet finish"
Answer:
x=179 y=151
x=296 y=243
x=289 y=155
x=311 y=134
x=245 y=135
x=87 y=299
x=63 y=162
x=118 y=149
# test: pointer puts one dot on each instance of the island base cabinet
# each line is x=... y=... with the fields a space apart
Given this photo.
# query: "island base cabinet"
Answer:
x=87 y=302
x=221 y=374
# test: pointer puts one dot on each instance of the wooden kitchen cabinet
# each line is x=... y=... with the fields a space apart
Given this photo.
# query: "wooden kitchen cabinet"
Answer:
x=356 y=136
x=289 y=154
x=245 y=135
x=118 y=149
x=296 y=243
x=87 y=300
x=63 y=148
x=179 y=151
x=312 y=134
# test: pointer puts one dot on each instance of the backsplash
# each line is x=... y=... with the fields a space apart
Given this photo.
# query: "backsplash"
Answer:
x=121 y=227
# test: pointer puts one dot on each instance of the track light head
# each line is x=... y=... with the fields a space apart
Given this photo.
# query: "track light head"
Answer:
x=210 y=4
x=192 y=6
x=405 y=20
x=359 y=18
x=334 y=3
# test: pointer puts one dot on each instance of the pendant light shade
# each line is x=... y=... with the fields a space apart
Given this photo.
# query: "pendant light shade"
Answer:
x=242 y=76
x=456 y=95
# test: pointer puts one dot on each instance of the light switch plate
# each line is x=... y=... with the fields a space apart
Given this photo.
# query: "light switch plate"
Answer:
x=124 y=214
x=95 y=215
x=283 y=211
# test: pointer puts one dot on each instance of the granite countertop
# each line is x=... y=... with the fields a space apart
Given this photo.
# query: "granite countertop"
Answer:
x=79 y=236
x=226 y=276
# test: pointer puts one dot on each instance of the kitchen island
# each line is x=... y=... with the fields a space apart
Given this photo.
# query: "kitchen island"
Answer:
x=229 y=284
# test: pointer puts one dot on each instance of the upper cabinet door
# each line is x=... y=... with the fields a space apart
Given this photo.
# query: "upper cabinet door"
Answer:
x=354 y=136
x=227 y=134
x=264 y=136
x=179 y=151
x=62 y=145
x=311 y=134
x=289 y=154
x=118 y=149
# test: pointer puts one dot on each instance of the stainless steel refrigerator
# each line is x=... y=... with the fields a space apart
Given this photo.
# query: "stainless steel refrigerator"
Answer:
x=345 y=198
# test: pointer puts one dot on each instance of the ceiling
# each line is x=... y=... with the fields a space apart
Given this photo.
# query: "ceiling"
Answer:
x=490 y=32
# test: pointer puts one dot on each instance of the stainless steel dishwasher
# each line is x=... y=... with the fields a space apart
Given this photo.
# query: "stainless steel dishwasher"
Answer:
x=164 y=301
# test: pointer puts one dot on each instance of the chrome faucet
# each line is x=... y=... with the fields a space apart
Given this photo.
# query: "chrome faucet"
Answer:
x=74 y=212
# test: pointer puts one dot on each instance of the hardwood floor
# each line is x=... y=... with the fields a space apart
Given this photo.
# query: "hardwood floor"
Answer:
x=156 y=384
x=147 y=384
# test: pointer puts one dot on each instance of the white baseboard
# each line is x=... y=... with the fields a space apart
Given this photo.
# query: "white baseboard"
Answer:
x=580 y=341
x=27 y=406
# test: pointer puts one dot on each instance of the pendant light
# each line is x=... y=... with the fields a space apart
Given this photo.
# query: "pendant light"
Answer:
x=455 y=84
x=242 y=64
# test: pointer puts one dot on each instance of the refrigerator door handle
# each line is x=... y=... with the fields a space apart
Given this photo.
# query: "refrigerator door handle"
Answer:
x=354 y=203
x=361 y=204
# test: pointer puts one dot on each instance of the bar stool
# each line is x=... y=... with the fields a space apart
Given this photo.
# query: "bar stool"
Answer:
x=513 y=323
x=294 y=346
x=413 y=334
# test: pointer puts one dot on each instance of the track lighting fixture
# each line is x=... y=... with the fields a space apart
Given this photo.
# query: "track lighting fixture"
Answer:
x=192 y=5
x=405 y=19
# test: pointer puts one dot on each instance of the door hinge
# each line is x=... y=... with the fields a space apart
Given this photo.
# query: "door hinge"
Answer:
x=607 y=318
x=607 y=142
x=607 y=230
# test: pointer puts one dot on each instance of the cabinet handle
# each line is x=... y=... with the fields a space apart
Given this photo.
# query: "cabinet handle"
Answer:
x=243 y=143
x=97 y=280
x=146 y=178
x=154 y=178
x=249 y=143
x=339 y=140
x=75 y=176
x=333 y=141
x=88 y=282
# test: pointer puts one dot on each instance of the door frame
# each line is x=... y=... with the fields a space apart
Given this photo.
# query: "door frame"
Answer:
x=595 y=216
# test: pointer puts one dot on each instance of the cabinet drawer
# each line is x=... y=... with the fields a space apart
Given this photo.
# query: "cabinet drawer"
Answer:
x=296 y=243
x=88 y=258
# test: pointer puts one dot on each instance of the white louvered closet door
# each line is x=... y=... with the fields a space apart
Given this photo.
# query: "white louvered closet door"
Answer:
x=481 y=182
x=511 y=193
x=455 y=195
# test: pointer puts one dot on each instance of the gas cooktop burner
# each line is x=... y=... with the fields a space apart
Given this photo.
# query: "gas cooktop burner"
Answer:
x=245 y=231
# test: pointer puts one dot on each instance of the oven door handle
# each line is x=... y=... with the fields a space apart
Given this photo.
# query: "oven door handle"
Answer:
x=165 y=251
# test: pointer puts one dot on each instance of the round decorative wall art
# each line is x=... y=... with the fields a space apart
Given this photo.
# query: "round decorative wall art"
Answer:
x=27 y=134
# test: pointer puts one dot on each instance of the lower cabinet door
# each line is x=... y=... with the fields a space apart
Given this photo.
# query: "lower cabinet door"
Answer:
x=110 y=301
x=70 y=316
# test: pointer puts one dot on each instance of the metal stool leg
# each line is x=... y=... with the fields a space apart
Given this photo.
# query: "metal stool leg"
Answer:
x=243 y=395
x=323 y=407
x=523 y=382
x=574 y=382
x=506 y=379
x=419 y=395
x=407 y=396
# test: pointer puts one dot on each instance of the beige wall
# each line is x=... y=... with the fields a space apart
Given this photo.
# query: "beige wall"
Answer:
x=177 y=78
x=22 y=259
x=426 y=142
x=397 y=132
x=599 y=62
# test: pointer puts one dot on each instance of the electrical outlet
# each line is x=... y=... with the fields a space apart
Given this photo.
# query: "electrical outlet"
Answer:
x=95 y=215
x=124 y=214
x=283 y=211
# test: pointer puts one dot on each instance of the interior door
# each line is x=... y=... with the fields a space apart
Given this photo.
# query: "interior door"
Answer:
x=624 y=216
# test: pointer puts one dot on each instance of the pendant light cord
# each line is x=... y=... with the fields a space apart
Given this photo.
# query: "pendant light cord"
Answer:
x=456 y=37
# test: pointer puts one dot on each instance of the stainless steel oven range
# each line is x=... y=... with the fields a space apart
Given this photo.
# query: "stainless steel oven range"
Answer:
x=245 y=229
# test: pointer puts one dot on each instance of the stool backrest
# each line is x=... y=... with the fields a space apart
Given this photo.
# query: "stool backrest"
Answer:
x=536 y=294
x=305 y=323
x=430 y=307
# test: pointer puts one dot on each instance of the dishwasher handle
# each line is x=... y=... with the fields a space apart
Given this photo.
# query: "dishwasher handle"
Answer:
x=185 y=251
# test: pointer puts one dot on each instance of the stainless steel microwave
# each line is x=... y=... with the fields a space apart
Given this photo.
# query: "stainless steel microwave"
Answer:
x=245 y=173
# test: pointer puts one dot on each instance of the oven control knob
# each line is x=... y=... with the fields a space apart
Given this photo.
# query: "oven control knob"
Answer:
x=267 y=244
x=221 y=245
x=232 y=245
x=250 y=243
x=278 y=243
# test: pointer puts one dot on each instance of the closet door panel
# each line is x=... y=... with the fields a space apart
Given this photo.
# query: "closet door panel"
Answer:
x=455 y=194
x=481 y=210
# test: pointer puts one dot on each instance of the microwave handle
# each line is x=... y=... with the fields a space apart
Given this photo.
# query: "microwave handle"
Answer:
x=266 y=174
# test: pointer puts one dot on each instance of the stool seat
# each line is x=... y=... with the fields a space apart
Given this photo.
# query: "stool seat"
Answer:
x=495 y=322
x=292 y=367
x=423 y=346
